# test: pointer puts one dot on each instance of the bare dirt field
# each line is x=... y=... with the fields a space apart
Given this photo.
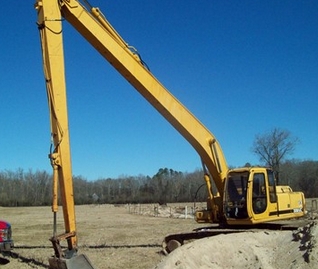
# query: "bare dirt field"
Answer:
x=107 y=234
x=114 y=238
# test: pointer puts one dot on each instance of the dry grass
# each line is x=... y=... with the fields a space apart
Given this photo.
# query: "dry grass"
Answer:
x=108 y=235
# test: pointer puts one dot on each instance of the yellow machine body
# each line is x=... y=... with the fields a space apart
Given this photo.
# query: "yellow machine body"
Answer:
x=247 y=195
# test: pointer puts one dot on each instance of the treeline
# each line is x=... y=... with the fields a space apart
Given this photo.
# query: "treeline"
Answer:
x=300 y=175
x=165 y=186
x=30 y=188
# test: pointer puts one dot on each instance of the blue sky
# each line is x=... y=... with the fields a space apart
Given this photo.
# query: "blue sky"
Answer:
x=241 y=67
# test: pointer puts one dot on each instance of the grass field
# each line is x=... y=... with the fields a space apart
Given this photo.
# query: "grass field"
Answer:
x=107 y=234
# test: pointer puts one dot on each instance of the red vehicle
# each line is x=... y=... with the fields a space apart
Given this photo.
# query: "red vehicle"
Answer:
x=6 y=243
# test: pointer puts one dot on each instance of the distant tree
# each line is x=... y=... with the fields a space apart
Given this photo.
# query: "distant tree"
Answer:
x=273 y=147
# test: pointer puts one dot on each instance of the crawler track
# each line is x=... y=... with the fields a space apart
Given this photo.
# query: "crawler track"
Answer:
x=173 y=241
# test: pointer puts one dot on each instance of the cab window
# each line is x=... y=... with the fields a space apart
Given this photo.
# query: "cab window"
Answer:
x=259 y=201
x=271 y=187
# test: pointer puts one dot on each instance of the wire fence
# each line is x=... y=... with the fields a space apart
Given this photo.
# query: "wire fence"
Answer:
x=166 y=211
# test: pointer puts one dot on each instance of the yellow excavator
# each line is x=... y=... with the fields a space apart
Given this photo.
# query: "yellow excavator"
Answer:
x=242 y=197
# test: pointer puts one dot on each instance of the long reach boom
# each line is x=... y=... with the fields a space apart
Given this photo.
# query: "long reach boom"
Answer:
x=234 y=199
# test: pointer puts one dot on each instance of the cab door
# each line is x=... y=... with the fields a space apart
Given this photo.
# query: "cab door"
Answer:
x=263 y=194
x=259 y=194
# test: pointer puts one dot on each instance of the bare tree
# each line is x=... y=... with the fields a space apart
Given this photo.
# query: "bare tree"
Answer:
x=273 y=147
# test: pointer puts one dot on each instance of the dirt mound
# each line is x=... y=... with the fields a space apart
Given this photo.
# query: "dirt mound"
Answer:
x=265 y=249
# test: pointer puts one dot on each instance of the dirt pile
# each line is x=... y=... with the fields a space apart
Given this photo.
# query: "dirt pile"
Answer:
x=264 y=249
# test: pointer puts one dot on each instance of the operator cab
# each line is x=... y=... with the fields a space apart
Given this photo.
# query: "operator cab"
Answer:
x=235 y=205
x=249 y=193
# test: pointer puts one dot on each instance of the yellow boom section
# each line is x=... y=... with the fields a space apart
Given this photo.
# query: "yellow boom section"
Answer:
x=50 y=26
x=101 y=35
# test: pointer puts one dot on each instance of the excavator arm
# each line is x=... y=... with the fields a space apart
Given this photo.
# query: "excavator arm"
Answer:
x=50 y=26
x=94 y=27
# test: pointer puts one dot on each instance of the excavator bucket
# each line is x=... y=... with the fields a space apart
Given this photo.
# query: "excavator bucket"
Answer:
x=77 y=262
